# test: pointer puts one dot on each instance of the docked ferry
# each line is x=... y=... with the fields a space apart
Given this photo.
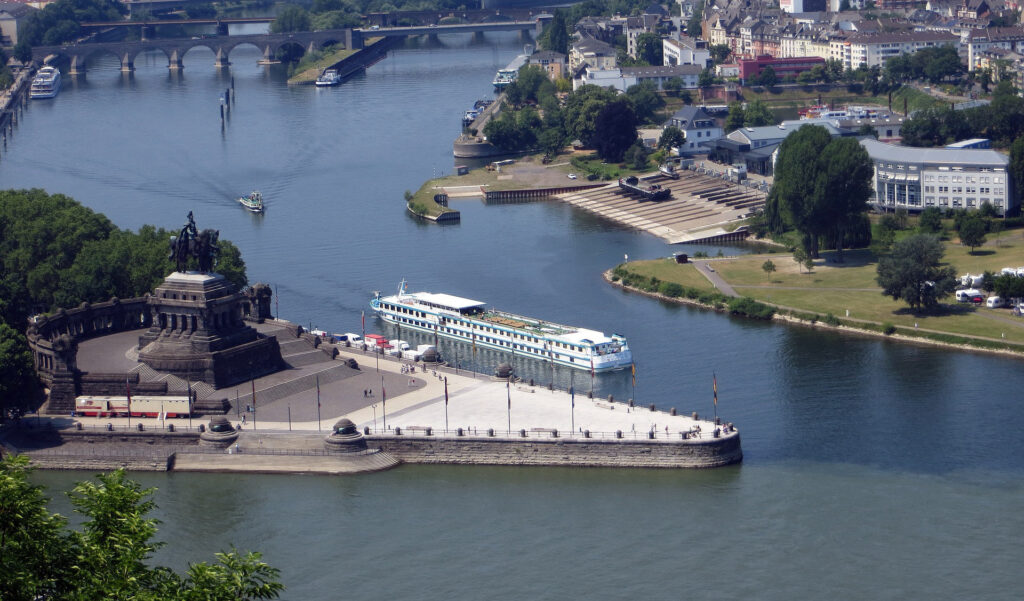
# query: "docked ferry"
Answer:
x=471 y=321
x=46 y=83
x=330 y=77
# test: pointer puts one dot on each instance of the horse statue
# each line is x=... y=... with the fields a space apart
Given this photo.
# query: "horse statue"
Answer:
x=205 y=249
x=191 y=243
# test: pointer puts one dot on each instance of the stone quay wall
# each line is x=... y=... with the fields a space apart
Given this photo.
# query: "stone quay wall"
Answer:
x=476 y=450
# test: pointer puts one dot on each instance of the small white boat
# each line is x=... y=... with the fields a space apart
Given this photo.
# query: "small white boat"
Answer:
x=329 y=77
x=253 y=202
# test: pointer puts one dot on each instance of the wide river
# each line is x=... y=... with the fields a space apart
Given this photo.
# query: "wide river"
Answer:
x=872 y=470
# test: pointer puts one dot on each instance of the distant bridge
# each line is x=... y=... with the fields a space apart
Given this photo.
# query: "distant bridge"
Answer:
x=269 y=43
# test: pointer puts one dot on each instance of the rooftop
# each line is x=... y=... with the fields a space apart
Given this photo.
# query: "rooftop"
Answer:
x=881 y=151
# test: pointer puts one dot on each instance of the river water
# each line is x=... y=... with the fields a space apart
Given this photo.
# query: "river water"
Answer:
x=872 y=469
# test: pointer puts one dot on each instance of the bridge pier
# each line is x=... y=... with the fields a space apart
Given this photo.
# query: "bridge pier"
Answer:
x=222 y=61
x=77 y=65
x=222 y=28
x=268 y=57
x=478 y=37
x=174 y=61
x=127 y=64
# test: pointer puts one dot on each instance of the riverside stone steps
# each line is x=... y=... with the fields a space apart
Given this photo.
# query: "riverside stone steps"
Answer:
x=309 y=357
x=335 y=372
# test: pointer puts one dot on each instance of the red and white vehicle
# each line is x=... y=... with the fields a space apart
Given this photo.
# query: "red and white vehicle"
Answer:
x=141 y=406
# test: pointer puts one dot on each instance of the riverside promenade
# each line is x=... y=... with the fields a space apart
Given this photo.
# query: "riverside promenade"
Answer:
x=485 y=420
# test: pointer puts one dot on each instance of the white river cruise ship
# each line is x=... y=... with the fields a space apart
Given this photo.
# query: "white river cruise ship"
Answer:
x=471 y=321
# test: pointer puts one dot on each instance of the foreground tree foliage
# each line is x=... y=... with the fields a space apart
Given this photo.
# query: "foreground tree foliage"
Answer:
x=41 y=558
x=59 y=21
x=913 y=271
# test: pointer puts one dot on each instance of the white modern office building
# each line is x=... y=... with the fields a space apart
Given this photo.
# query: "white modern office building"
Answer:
x=946 y=178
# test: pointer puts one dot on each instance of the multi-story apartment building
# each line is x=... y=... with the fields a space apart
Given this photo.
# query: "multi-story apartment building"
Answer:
x=980 y=40
x=593 y=52
x=685 y=51
x=874 y=49
x=946 y=178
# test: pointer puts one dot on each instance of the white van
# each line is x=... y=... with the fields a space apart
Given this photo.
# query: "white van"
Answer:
x=994 y=302
x=353 y=339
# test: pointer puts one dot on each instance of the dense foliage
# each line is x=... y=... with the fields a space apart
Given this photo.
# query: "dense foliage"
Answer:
x=59 y=21
x=821 y=189
x=109 y=556
x=914 y=272
x=56 y=253
x=1002 y=121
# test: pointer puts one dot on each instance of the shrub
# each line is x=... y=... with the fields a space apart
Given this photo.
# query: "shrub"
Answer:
x=831 y=320
x=750 y=308
x=670 y=289
x=888 y=329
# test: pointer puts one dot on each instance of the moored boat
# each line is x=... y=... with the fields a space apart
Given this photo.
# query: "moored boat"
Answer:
x=253 y=202
x=329 y=77
x=471 y=321
x=46 y=83
x=633 y=186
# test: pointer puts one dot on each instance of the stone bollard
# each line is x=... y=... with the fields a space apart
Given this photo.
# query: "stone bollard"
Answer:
x=141 y=427
x=458 y=432
x=695 y=417
x=531 y=381
x=202 y=428
x=78 y=425
x=554 y=433
x=718 y=421
x=586 y=434
x=429 y=430
x=110 y=427
x=551 y=386
x=672 y=412
x=590 y=394
x=618 y=434
x=398 y=431
x=630 y=402
x=652 y=406
x=650 y=434
x=170 y=427
x=490 y=431
x=522 y=432
x=611 y=398
x=366 y=430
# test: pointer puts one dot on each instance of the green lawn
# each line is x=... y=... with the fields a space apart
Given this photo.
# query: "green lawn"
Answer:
x=837 y=287
x=667 y=270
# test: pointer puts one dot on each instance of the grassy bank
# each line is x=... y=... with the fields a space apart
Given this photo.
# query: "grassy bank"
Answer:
x=313 y=63
x=827 y=292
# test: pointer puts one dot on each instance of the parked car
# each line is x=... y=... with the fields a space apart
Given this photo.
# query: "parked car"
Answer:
x=572 y=176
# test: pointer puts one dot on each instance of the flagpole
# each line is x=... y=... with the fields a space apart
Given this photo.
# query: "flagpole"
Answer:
x=317 y=406
x=384 y=402
x=446 y=404
x=128 y=390
x=572 y=400
x=714 y=387
x=508 y=392
x=289 y=417
x=253 y=404
x=188 y=379
x=634 y=381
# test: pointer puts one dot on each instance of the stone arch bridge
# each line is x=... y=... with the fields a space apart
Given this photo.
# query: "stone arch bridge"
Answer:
x=176 y=48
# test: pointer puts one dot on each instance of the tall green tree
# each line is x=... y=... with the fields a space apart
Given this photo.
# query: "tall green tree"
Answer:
x=646 y=101
x=736 y=118
x=757 y=114
x=972 y=232
x=767 y=78
x=671 y=136
x=291 y=18
x=615 y=130
x=649 y=48
x=792 y=199
x=110 y=556
x=841 y=192
x=693 y=26
x=556 y=35
x=914 y=272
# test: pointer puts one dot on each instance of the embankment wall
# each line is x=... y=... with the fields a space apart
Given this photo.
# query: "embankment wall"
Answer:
x=561 y=452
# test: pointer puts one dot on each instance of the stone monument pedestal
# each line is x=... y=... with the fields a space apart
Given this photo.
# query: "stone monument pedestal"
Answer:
x=198 y=332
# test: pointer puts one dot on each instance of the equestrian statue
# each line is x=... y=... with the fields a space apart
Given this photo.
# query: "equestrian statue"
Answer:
x=190 y=242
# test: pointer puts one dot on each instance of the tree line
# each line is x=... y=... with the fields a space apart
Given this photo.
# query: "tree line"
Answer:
x=56 y=253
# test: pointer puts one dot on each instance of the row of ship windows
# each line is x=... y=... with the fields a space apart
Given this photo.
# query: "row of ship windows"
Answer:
x=448 y=330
